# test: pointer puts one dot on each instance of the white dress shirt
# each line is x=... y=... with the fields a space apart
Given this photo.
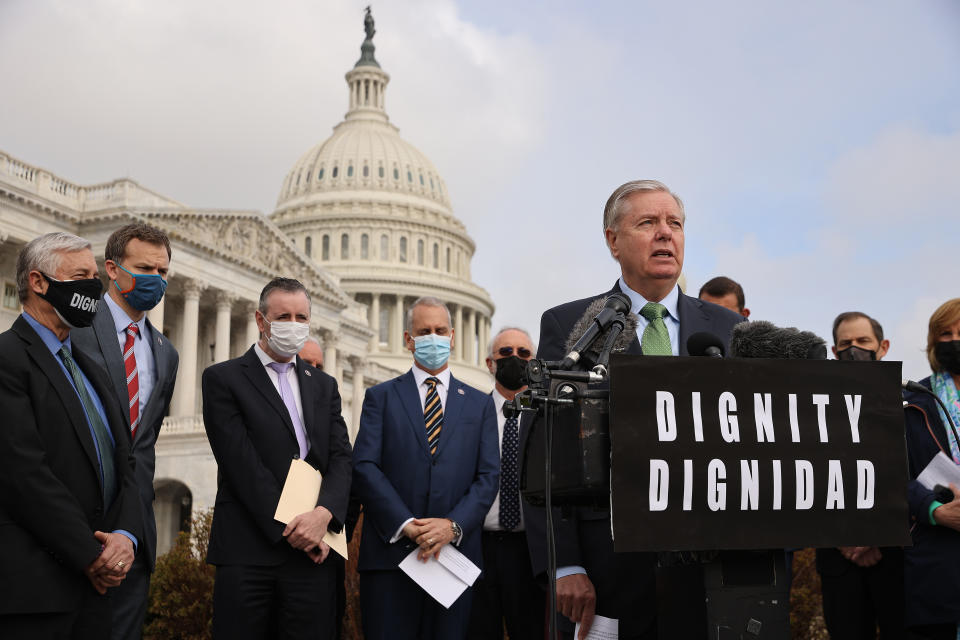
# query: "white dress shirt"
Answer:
x=492 y=521
x=420 y=377
x=142 y=350
x=291 y=378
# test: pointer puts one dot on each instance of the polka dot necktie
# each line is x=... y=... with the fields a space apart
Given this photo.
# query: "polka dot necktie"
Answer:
x=433 y=415
x=509 y=477
x=655 y=340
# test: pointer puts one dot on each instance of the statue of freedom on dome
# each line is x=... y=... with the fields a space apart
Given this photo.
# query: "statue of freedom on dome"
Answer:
x=368 y=24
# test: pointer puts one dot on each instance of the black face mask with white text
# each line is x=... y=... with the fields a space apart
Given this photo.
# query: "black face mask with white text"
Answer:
x=948 y=355
x=75 y=301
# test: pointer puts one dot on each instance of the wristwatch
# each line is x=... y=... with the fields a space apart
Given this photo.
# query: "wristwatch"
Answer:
x=457 y=531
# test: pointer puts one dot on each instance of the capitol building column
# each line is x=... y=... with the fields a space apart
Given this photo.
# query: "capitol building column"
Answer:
x=396 y=327
x=358 y=365
x=187 y=376
x=221 y=348
x=469 y=345
x=375 y=321
x=330 y=353
x=458 y=333
x=484 y=339
x=253 y=332
x=155 y=316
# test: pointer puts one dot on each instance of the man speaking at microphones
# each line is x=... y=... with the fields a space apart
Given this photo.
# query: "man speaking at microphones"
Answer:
x=643 y=224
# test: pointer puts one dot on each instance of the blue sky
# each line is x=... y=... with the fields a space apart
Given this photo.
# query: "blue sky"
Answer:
x=816 y=145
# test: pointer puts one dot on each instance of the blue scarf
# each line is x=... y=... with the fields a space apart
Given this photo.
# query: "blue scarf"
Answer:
x=945 y=388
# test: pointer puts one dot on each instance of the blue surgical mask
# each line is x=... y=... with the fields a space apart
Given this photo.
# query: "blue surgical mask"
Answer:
x=146 y=292
x=431 y=351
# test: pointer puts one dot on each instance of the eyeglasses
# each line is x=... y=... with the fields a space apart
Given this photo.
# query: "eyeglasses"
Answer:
x=523 y=352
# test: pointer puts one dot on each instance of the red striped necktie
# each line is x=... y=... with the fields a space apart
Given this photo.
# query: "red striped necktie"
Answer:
x=133 y=381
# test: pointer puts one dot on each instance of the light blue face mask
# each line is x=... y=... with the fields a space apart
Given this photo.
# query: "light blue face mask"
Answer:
x=146 y=291
x=431 y=351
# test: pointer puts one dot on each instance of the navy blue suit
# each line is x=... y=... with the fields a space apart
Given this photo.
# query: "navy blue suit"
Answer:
x=624 y=582
x=396 y=478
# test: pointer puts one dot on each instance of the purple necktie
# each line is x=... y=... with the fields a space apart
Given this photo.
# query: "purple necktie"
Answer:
x=286 y=394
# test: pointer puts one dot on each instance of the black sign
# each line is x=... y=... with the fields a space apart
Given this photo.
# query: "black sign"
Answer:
x=751 y=454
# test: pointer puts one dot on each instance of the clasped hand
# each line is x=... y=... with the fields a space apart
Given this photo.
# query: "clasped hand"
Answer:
x=430 y=534
x=111 y=566
x=305 y=532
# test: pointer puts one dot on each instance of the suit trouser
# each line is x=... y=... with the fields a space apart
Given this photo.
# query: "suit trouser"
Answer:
x=129 y=602
x=393 y=607
x=859 y=599
x=89 y=622
x=506 y=591
x=625 y=583
x=293 y=600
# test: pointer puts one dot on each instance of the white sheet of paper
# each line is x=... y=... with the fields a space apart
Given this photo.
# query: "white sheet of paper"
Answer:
x=941 y=470
x=300 y=492
x=459 y=564
x=444 y=581
x=601 y=629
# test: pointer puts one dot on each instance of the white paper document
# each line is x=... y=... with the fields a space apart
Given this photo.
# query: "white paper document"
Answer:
x=300 y=492
x=601 y=629
x=444 y=579
x=941 y=470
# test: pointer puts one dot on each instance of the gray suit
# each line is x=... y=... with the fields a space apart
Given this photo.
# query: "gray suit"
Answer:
x=100 y=341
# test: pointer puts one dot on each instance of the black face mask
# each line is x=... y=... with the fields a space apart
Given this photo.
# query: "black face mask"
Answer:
x=948 y=355
x=856 y=353
x=75 y=301
x=511 y=372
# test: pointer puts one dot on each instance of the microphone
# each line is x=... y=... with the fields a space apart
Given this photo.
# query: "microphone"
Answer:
x=597 y=320
x=916 y=387
x=762 y=339
x=704 y=343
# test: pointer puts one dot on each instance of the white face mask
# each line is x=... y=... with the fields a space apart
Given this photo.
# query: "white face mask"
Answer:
x=287 y=338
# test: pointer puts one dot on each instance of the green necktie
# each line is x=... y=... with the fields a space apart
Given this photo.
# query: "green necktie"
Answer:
x=104 y=444
x=655 y=340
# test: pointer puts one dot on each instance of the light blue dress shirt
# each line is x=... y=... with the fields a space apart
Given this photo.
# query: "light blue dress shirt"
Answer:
x=53 y=343
x=142 y=349
x=672 y=320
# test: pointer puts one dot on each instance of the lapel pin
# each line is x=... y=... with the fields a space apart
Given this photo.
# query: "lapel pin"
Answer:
x=460 y=391
x=307 y=371
x=159 y=340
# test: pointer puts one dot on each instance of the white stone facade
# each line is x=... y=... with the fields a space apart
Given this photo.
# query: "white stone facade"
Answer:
x=363 y=220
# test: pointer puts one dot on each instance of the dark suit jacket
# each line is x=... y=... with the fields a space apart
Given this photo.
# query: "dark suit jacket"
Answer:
x=577 y=541
x=932 y=564
x=51 y=496
x=396 y=478
x=253 y=440
x=101 y=343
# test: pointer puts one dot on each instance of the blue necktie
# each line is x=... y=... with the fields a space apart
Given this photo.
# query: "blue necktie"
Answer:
x=104 y=443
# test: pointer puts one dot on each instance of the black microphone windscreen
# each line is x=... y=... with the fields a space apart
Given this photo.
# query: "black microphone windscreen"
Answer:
x=698 y=343
x=762 y=339
x=581 y=326
x=595 y=307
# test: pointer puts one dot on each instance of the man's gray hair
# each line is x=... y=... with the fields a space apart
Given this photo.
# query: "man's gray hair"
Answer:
x=43 y=254
x=425 y=301
x=613 y=210
x=504 y=330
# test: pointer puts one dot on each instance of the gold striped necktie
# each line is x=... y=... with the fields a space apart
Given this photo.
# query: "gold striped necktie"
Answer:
x=433 y=415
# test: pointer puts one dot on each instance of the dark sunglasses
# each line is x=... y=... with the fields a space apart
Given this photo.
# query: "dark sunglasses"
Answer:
x=523 y=352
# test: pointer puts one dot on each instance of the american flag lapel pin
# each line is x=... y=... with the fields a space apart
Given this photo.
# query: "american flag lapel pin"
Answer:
x=460 y=390
x=307 y=371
